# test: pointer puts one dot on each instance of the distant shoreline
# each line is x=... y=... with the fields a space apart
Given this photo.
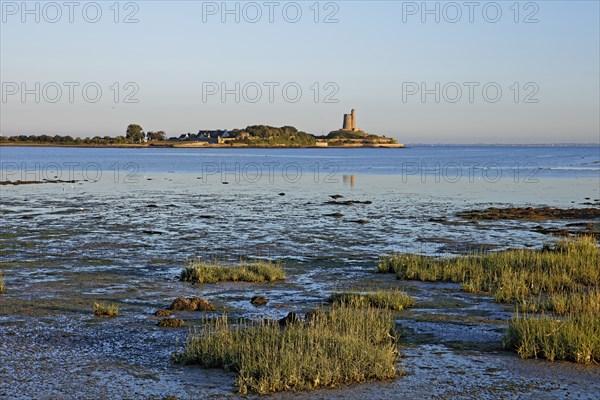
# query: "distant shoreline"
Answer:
x=199 y=145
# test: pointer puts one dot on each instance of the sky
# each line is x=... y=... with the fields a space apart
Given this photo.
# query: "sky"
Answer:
x=433 y=72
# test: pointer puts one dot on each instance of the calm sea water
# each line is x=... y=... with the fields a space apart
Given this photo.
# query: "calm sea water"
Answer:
x=246 y=200
x=528 y=161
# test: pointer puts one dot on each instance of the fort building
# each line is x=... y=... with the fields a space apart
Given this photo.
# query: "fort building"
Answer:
x=350 y=121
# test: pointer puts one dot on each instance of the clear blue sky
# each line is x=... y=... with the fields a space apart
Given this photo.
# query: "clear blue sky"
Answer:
x=372 y=54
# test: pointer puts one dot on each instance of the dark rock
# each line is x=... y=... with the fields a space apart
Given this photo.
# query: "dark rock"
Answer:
x=259 y=301
x=443 y=240
x=359 y=221
x=335 y=215
x=531 y=214
x=289 y=319
x=151 y=232
x=336 y=196
x=593 y=230
x=282 y=194
x=18 y=182
x=349 y=202
x=440 y=220
x=152 y=206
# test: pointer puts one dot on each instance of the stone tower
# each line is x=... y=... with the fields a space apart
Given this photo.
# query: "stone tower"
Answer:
x=350 y=121
x=347 y=126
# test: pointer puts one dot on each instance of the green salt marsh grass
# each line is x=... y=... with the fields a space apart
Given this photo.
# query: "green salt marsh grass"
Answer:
x=573 y=337
x=561 y=282
x=571 y=332
x=510 y=275
x=105 y=309
x=391 y=299
x=341 y=346
x=213 y=272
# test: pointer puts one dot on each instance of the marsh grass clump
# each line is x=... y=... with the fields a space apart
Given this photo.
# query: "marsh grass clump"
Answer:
x=510 y=275
x=391 y=299
x=171 y=323
x=344 y=345
x=204 y=272
x=560 y=282
x=191 y=304
x=573 y=337
x=2 y=288
x=572 y=332
x=106 y=309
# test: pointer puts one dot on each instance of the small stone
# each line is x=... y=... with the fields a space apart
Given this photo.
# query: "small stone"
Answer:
x=259 y=301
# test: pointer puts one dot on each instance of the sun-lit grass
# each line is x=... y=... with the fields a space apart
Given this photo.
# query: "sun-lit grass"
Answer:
x=509 y=275
x=562 y=282
x=390 y=299
x=106 y=309
x=586 y=302
x=2 y=288
x=341 y=346
x=205 y=272
x=574 y=336
x=572 y=332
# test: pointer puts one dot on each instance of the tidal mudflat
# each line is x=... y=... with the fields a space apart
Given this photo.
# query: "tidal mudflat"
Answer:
x=64 y=247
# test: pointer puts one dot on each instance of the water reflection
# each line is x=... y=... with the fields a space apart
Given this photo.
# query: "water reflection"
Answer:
x=350 y=180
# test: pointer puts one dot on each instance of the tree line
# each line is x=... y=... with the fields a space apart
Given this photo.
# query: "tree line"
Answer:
x=134 y=134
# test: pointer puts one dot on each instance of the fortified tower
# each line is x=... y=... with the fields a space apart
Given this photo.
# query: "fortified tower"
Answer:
x=347 y=126
x=350 y=121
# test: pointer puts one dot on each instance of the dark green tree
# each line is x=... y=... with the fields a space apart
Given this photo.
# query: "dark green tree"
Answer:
x=135 y=133
x=160 y=135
